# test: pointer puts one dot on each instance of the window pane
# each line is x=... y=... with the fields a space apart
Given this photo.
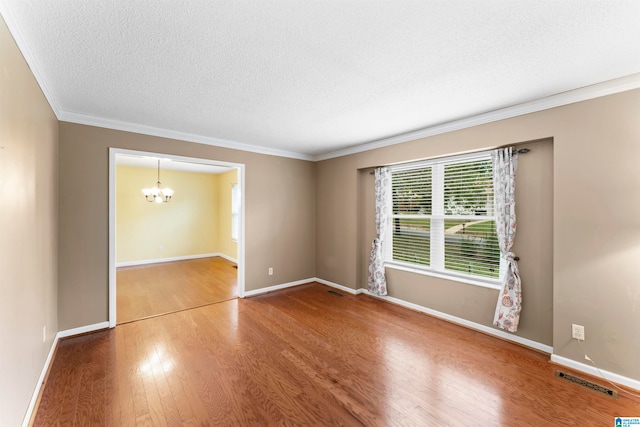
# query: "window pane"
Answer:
x=411 y=192
x=471 y=247
x=468 y=188
x=459 y=235
x=411 y=240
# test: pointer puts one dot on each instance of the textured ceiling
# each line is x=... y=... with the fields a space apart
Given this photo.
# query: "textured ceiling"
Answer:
x=314 y=77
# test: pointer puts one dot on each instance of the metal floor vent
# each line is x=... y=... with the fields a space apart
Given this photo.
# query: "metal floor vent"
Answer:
x=336 y=293
x=587 y=384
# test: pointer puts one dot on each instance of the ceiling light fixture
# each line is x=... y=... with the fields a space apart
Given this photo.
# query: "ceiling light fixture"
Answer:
x=157 y=194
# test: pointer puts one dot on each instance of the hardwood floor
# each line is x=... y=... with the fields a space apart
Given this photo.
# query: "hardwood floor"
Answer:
x=149 y=290
x=304 y=356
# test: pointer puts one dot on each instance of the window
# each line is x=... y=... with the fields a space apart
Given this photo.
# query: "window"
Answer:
x=442 y=217
x=235 y=211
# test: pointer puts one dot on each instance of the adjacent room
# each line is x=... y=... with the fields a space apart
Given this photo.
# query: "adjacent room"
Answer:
x=319 y=213
x=176 y=247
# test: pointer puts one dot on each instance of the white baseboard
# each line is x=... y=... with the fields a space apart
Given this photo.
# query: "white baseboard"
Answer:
x=337 y=286
x=303 y=282
x=277 y=287
x=47 y=363
x=82 y=330
x=43 y=374
x=175 y=258
x=467 y=323
x=227 y=257
x=583 y=367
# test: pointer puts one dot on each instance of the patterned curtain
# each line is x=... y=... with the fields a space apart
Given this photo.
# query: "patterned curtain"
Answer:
x=505 y=163
x=377 y=280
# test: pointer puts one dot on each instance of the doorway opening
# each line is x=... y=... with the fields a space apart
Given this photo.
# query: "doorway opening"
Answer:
x=168 y=254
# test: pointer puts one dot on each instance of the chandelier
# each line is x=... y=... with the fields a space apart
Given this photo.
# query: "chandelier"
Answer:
x=157 y=194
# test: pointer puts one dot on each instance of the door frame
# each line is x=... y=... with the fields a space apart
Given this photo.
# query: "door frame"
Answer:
x=240 y=167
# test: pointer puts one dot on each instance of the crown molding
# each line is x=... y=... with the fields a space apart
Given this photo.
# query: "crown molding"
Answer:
x=28 y=56
x=586 y=93
x=597 y=90
x=83 y=119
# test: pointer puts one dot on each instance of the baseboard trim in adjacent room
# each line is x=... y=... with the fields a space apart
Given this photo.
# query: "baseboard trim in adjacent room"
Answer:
x=175 y=258
x=227 y=257
x=588 y=369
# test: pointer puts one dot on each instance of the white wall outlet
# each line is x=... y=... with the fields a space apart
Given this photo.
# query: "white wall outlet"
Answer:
x=161 y=248
x=270 y=271
x=44 y=333
x=577 y=332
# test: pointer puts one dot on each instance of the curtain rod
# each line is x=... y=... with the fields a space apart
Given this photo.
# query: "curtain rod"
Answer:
x=518 y=151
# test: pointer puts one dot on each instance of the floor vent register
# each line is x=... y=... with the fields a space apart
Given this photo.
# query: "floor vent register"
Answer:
x=587 y=384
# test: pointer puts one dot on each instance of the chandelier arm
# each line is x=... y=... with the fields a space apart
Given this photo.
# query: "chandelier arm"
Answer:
x=159 y=195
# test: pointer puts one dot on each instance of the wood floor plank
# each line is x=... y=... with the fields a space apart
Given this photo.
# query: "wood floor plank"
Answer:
x=71 y=386
x=219 y=393
x=304 y=356
x=136 y=358
x=176 y=408
x=189 y=405
x=125 y=368
x=98 y=400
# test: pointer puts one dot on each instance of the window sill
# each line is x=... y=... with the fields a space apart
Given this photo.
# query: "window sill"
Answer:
x=491 y=284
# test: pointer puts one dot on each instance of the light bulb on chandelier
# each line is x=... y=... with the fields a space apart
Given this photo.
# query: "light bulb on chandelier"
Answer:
x=157 y=194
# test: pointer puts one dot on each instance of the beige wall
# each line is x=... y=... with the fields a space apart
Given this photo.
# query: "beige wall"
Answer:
x=188 y=225
x=224 y=243
x=28 y=223
x=596 y=225
x=337 y=220
x=280 y=215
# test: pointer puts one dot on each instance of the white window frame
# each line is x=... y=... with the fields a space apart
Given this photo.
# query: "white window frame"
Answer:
x=436 y=268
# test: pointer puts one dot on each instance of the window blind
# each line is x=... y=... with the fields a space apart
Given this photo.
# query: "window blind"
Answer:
x=443 y=218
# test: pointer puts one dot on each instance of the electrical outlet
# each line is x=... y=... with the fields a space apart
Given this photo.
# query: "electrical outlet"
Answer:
x=44 y=333
x=161 y=248
x=577 y=332
x=270 y=271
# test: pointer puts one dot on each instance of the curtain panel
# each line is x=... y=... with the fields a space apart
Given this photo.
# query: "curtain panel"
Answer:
x=505 y=163
x=377 y=283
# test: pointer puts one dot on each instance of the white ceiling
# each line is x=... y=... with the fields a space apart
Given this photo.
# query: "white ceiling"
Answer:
x=303 y=78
